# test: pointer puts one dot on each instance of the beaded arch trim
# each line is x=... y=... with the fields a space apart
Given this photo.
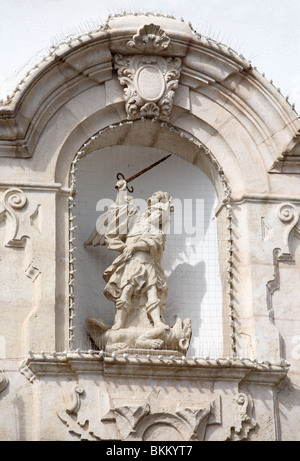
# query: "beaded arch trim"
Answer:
x=81 y=153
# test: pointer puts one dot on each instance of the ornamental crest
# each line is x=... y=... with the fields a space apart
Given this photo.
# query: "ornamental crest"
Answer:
x=149 y=39
x=149 y=84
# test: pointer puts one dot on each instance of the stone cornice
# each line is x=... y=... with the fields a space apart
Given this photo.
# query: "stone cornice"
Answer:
x=36 y=186
x=38 y=365
x=289 y=161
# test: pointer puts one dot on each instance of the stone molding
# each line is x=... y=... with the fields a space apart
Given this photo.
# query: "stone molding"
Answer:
x=37 y=365
x=289 y=161
x=225 y=408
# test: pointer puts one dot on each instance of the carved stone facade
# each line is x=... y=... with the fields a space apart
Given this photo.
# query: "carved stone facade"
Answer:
x=148 y=83
x=211 y=399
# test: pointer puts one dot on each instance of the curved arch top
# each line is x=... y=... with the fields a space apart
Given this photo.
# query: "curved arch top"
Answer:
x=220 y=98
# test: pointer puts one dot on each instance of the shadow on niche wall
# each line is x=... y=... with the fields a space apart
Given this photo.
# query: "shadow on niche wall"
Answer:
x=185 y=298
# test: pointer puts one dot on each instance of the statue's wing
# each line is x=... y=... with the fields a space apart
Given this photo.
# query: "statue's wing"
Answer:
x=116 y=221
x=97 y=237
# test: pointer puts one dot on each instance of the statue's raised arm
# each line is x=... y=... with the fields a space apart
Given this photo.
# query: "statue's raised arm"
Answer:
x=112 y=226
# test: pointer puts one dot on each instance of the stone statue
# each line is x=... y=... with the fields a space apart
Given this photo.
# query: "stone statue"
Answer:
x=135 y=281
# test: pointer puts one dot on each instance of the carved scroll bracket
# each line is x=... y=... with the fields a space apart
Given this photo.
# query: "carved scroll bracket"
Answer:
x=289 y=215
x=13 y=200
x=280 y=227
x=21 y=217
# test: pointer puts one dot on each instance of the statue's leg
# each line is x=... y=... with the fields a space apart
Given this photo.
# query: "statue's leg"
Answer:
x=153 y=308
x=123 y=307
x=120 y=317
x=124 y=302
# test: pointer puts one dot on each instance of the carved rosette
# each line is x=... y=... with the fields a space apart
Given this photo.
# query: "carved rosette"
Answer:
x=149 y=84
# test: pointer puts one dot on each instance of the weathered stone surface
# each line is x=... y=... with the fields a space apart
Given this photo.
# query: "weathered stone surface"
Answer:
x=212 y=111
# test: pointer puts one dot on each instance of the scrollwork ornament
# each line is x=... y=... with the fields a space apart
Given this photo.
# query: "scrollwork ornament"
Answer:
x=75 y=405
x=288 y=215
x=243 y=421
x=149 y=84
x=69 y=416
x=13 y=199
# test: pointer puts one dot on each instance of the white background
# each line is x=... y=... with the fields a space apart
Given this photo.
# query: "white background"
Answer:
x=266 y=32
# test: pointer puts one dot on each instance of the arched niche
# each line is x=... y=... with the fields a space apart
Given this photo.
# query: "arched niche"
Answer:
x=196 y=255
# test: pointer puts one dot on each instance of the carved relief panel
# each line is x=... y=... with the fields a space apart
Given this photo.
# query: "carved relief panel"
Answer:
x=139 y=422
